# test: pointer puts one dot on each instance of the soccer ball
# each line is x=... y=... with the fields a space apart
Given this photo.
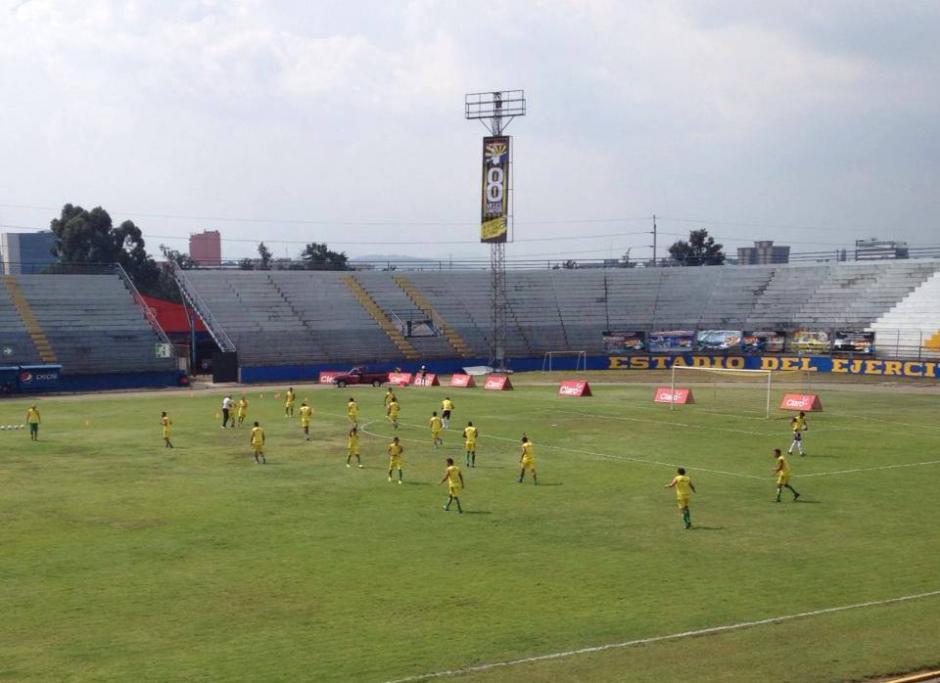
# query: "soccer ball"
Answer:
x=22 y=427
x=3 y=427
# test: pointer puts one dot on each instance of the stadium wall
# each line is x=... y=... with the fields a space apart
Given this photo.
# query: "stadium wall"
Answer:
x=123 y=380
x=822 y=364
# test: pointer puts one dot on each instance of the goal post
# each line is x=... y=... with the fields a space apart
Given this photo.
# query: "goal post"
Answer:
x=580 y=359
x=751 y=389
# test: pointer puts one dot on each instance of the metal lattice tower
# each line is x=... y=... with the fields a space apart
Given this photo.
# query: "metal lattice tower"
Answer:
x=496 y=110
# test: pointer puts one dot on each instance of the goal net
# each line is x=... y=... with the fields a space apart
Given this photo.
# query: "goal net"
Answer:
x=731 y=391
x=564 y=360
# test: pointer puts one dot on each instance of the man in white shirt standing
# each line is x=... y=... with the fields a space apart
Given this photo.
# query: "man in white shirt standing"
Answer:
x=226 y=411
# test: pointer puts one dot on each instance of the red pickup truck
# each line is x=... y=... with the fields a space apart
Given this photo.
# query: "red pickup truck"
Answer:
x=359 y=375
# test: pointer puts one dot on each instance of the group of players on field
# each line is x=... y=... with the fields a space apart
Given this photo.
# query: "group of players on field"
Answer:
x=234 y=414
x=685 y=488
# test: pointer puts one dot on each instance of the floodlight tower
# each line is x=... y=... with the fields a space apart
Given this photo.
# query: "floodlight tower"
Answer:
x=496 y=110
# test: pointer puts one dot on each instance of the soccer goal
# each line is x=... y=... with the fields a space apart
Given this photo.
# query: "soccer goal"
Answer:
x=550 y=358
x=726 y=389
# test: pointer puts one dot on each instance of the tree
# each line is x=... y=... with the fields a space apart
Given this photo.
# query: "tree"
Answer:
x=317 y=256
x=246 y=264
x=89 y=237
x=265 y=254
x=183 y=261
x=700 y=250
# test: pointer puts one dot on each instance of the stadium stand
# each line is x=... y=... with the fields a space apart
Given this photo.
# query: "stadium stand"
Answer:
x=912 y=326
x=281 y=317
x=90 y=324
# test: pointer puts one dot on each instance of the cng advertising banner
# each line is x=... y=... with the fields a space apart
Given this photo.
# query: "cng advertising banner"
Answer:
x=494 y=219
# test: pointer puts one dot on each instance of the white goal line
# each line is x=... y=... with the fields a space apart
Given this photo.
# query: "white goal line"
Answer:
x=657 y=639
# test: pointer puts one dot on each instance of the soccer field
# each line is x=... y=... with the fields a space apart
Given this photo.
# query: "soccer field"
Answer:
x=122 y=560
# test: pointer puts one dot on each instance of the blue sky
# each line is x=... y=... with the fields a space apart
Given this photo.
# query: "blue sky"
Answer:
x=812 y=123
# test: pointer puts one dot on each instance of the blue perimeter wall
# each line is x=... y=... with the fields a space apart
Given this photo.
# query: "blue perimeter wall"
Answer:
x=124 y=380
x=822 y=364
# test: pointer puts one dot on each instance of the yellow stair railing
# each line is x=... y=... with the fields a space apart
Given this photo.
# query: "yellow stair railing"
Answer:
x=379 y=316
x=33 y=328
x=449 y=333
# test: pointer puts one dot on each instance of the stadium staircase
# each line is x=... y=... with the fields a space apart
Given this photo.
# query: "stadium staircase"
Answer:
x=379 y=316
x=33 y=328
x=196 y=303
x=449 y=333
x=911 y=328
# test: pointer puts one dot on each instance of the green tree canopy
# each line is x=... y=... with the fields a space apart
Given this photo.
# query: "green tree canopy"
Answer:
x=317 y=256
x=264 y=254
x=700 y=250
x=183 y=261
x=89 y=237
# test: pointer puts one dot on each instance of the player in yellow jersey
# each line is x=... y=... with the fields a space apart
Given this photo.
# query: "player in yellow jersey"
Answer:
x=242 y=411
x=436 y=426
x=782 y=471
x=305 y=413
x=352 y=411
x=33 y=419
x=257 y=443
x=390 y=396
x=684 y=490
x=798 y=426
x=447 y=406
x=166 y=424
x=289 y=402
x=352 y=447
x=454 y=478
x=527 y=460
x=470 y=434
x=392 y=412
x=395 y=453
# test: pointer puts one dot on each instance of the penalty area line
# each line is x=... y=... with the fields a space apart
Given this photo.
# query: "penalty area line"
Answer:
x=871 y=469
x=657 y=639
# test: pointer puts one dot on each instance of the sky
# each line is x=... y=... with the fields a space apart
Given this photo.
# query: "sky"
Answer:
x=811 y=123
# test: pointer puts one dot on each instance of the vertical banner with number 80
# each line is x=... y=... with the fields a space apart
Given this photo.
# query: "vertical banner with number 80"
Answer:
x=494 y=220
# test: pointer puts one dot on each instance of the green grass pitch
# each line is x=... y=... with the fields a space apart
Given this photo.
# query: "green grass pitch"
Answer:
x=122 y=560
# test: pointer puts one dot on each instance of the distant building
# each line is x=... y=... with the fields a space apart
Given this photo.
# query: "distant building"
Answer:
x=26 y=252
x=763 y=253
x=205 y=249
x=877 y=250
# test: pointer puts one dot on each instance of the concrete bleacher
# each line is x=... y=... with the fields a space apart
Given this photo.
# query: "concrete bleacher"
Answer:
x=16 y=346
x=911 y=327
x=93 y=323
x=303 y=316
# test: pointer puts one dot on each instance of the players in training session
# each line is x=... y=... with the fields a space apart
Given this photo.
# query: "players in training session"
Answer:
x=395 y=459
x=447 y=406
x=798 y=425
x=352 y=448
x=527 y=460
x=305 y=413
x=257 y=443
x=166 y=425
x=454 y=478
x=33 y=419
x=242 y=411
x=684 y=490
x=436 y=426
x=391 y=412
x=352 y=411
x=389 y=397
x=289 y=402
x=782 y=471
x=470 y=434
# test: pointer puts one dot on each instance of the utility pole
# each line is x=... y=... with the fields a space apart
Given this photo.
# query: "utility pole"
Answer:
x=654 y=239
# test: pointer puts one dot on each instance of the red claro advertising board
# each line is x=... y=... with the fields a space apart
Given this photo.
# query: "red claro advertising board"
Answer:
x=668 y=395
x=497 y=383
x=399 y=379
x=461 y=380
x=326 y=376
x=427 y=379
x=574 y=387
x=804 y=402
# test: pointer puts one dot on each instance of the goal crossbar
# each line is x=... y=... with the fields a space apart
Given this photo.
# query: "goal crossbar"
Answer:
x=580 y=357
x=725 y=371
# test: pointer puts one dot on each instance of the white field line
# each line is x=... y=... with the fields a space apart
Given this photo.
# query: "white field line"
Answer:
x=871 y=469
x=478 y=668
x=596 y=454
x=659 y=463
